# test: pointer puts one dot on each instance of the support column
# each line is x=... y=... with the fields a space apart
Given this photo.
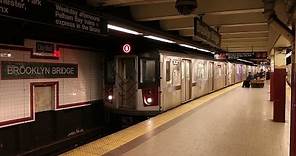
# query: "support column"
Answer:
x=279 y=85
x=271 y=87
x=293 y=100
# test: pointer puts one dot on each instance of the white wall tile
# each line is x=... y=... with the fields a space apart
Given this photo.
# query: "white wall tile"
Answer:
x=15 y=94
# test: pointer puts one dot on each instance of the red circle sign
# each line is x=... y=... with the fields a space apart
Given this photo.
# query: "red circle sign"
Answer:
x=126 y=48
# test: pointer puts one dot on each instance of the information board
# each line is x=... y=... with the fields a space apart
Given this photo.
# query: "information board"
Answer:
x=52 y=13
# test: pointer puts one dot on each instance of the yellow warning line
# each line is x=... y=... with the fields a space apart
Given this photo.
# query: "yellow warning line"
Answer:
x=115 y=140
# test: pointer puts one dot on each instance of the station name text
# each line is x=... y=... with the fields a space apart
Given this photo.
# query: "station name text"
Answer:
x=25 y=70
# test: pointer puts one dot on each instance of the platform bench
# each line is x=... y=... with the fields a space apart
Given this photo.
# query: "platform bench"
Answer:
x=257 y=83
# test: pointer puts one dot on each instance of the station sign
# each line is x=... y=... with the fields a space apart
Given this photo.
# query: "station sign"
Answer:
x=42 y=47
x=251 y=55
x=203 y=31
x=53 y=13
x=46 y=50
x=240 y=55
x=11 y=70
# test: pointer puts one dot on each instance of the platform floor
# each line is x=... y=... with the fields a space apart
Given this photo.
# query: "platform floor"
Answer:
x=232 y=122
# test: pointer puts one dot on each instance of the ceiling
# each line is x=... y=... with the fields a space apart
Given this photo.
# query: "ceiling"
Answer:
x=241 y=23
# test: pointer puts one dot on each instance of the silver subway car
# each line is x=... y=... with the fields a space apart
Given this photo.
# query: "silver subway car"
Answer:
x=144 y=85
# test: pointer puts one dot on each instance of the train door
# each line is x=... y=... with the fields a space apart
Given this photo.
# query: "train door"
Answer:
x=233 y=73
x=126 y=82
x=186 y=87
x=211 y=76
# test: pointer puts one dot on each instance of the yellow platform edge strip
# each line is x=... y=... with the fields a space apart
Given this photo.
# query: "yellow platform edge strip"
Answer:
x=115 y=140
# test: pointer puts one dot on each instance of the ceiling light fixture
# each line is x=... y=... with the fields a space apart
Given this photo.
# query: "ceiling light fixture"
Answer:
x=117 y=28
x=192 y=47
x=245 y=61
x=159 y=39
x=188 y=46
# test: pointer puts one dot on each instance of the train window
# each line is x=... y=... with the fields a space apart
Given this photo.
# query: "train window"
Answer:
x=148 y=72
x=176 y=75
x=168 y=70
x=219 y=68
x=237 y=69
x=201 y=71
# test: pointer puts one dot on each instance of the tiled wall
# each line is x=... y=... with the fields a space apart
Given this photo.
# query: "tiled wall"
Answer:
x=15 y=105
x=88 y=86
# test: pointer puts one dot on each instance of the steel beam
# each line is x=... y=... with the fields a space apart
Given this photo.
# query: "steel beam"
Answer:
x=214 y=20
x=209 y=7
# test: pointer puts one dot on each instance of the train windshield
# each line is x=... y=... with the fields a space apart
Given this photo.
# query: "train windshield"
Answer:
x=147 y=71
x=110 y=76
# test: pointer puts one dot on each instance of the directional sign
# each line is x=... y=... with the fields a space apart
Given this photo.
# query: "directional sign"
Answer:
x=202 y=30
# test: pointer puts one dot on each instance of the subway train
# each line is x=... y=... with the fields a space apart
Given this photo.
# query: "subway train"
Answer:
x=147 y=84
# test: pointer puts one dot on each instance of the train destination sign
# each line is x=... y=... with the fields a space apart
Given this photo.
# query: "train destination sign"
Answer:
x=52 y=13
x=33 y=70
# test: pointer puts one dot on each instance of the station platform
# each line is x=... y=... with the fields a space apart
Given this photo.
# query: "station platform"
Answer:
x=234 y=121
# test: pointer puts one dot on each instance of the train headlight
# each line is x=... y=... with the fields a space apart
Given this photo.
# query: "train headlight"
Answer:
x=110 y=97
x=149 y=100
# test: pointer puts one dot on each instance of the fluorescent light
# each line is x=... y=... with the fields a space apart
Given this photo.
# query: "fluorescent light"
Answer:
x=159 y=39
x=245 y=61
x=188 y=46
x=289 y=54
x=204 y=50
x=113 y=27
x=192 y=47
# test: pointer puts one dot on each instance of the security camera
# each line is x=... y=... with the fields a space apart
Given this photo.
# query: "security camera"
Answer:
x=186 y=7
